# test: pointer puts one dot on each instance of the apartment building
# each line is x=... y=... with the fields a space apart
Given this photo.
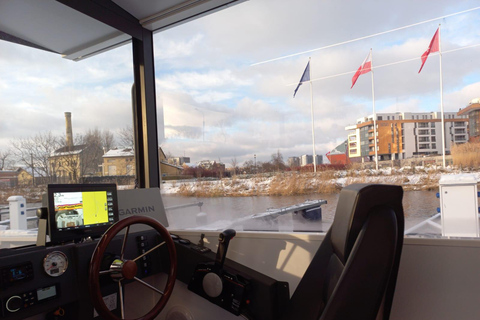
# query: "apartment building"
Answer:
x=472 y=111
x=179 y=161
x=293 y=162
x=308 y=159
x=404 y=135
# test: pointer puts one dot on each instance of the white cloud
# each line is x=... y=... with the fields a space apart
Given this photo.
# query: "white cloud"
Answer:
x=201 y=80
x=203 y=74
x=167 y=48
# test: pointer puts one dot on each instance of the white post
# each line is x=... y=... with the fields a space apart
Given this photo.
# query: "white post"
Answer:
x=441 y=95
x=313 y=126
x=18 y=213
x=374 y=114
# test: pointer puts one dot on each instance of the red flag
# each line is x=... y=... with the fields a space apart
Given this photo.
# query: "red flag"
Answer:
x=433 y=47
x=364 y=68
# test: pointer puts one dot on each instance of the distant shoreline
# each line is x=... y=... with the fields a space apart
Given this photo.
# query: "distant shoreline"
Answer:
x=281 y=184
x=294 y=183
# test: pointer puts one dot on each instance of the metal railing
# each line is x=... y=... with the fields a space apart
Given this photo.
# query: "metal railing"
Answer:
x=428 y=222
x=6 y=222
x=6 y=211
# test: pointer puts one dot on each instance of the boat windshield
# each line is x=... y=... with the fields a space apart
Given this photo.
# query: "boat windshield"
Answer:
x=264 y=112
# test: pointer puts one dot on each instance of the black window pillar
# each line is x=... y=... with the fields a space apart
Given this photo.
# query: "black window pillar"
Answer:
x=145 y=113
x=143 y=91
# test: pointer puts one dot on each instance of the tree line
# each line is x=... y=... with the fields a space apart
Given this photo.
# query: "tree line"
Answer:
x=275 y=164
x=36 y=152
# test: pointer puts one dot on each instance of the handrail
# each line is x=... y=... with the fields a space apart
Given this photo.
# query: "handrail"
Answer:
x=7 y=222
x=8 y=212
x=180 y=206
x=429 y=221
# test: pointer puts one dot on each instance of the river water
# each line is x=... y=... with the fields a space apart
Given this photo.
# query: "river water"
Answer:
x=221 y=211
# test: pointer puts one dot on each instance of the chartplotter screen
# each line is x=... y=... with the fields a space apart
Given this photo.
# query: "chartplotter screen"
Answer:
x=87 y=208
x=77 y=211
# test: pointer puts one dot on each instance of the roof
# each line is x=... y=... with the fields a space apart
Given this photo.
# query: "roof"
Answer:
x=161 y=154
x=340 y=149
x=28 y=170
x=471 y=107
x=119 y=152
x=171 y=165
x=8 y=174
x=68 y=150
x=189 y=165
x=80 y=29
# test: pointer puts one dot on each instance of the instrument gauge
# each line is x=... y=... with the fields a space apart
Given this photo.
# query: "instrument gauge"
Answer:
x=55 y=263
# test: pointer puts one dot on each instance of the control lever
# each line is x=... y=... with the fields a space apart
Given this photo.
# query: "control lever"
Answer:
x=212 y=282
x=223 y=242
x=201 y=242
x=223 y=287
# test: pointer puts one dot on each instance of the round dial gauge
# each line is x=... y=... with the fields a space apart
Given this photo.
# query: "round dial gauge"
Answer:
x=55 y=263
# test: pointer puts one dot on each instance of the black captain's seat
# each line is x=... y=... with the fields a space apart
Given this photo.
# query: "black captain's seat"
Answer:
x=353 y=273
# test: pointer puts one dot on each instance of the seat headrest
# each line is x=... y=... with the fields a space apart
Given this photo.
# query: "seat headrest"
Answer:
x=354 y=205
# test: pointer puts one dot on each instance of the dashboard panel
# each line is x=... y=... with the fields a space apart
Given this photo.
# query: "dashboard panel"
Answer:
x=55 y=279
x=36 y=280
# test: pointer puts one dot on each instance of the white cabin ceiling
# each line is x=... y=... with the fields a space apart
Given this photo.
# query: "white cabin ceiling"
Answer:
x=54 y=26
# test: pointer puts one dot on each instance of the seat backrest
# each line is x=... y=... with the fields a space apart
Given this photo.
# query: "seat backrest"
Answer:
x=354 y=272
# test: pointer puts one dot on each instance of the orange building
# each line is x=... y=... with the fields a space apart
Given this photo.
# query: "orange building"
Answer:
x=404 y=135
x=472 y=111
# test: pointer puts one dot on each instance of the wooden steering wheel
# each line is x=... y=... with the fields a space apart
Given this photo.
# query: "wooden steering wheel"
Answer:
x=124 y=269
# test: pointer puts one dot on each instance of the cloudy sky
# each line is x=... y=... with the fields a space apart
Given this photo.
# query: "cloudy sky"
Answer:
x=206 y=72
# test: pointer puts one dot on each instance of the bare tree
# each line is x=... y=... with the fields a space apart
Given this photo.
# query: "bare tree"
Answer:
x=93 y=142
x=266 y=166
x=234 y=164
x=108 y=140
x=277 y=161
x=5 y=159
x=100 y=138
x=34 y=152
x=248 y=166
x=127 y=137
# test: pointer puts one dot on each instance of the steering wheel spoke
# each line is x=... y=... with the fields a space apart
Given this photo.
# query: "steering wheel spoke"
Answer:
x=104 y=272
x=124 y=243
x=149 y=251
x=149 y=286
x=120 y=293
x=122 y=269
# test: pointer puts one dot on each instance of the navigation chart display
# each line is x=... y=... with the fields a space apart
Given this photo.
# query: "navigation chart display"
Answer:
x=77 y=211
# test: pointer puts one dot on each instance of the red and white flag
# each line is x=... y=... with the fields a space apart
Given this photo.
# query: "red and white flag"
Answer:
x=433 y=47
x=364 y=68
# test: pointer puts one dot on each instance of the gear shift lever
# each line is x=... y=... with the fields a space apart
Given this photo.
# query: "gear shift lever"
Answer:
x=219 y=285
x=212 y=282
x=223 y=242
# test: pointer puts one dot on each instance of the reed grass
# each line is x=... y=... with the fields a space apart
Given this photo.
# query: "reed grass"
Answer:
x=466 y=155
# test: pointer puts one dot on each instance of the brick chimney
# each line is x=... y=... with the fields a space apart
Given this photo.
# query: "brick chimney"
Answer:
x=68 y=125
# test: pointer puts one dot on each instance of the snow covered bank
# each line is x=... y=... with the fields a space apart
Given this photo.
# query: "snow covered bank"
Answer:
x=293 y=183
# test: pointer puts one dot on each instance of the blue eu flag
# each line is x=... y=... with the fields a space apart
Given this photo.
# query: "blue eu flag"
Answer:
x=305 y=77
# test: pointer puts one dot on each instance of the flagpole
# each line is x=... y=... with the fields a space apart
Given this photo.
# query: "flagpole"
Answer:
x=313 y=125
x=374 y=113
x=441 y=94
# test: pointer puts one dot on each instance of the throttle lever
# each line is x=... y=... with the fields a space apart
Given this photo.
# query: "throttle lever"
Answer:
x=223 y=242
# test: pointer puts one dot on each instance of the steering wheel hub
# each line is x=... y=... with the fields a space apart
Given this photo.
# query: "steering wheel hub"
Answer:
x=129 y=269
